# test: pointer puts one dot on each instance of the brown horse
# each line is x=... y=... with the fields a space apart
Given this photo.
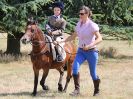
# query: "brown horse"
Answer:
x=42 y=59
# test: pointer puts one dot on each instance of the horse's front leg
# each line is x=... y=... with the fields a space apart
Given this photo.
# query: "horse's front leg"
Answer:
x=44 y=76
x=61 y=71
x=36 y=74
x=69 y=75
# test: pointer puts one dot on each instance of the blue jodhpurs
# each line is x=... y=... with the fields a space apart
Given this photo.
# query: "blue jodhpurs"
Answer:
x=92 y=58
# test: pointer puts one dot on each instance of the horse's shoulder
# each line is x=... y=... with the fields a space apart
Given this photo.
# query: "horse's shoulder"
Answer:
x=69 y=46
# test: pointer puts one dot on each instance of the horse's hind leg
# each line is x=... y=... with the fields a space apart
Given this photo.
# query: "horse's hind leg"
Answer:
x=44 y=76
x=69 y=75
x=36 y=74
x=61 y=71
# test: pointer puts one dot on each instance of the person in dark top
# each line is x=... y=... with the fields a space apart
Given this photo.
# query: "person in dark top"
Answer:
x=55 y=27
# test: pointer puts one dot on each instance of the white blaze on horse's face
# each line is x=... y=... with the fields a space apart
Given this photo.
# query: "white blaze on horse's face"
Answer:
x=27 y=36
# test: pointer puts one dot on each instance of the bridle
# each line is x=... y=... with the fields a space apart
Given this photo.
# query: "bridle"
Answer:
x=34 y=31
x=33 y=42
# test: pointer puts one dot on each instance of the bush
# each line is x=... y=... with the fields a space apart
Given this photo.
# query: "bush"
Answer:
x=123 y=33
x=98 y=18
x=108 y=53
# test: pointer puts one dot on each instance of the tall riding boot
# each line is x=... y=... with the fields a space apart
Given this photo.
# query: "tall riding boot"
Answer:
x=77 y=85
x=59 y=57
x=96 y=87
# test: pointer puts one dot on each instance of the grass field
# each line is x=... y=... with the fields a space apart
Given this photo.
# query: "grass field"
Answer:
x=16 y=78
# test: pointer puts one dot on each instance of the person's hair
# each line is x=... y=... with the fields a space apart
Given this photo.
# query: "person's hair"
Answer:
x=87 y=10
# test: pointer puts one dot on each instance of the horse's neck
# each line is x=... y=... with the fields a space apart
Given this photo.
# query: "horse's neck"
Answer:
x=41 y=42
x=37 y=49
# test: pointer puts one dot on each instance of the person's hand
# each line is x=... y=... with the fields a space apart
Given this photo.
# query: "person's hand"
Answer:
x=86 y=47
x=61 y=42
x=55 y=43
x=56 y=32
x=50 y=33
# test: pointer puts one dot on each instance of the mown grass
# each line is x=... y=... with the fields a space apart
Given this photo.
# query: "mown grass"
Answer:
x=116 y=76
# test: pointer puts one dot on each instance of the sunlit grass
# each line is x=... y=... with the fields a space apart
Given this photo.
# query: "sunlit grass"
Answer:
x=116 y=76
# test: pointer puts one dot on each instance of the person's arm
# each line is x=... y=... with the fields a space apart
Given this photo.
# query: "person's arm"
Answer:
x=63 y=25
x=68 y=39
x=48 y=26
x=61 y=30
x=97 y=41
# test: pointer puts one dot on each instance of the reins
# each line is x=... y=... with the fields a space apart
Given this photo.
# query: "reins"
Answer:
x=41 y=42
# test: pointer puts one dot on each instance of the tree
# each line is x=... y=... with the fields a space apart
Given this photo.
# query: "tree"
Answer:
x=113 y=12
x=14 y=14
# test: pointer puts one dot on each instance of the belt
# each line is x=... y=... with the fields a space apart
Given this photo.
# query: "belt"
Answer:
x=92 y=49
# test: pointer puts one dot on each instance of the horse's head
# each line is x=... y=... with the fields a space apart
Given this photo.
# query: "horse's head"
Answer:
x=31 y=32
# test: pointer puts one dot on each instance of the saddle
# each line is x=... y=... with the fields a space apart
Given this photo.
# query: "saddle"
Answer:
x=58 y=52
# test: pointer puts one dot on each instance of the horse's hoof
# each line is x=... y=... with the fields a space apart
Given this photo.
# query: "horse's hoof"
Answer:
x=60 y=89
x=33 y=94
x=45 y=87
x=64 y=91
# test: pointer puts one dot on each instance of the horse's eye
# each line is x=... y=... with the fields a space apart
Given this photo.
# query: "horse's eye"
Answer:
x=32 y=30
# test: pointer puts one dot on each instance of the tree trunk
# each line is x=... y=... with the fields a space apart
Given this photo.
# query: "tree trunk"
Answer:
x=13 y=44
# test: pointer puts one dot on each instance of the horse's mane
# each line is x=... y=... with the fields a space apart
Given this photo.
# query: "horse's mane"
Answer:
x=39 y=29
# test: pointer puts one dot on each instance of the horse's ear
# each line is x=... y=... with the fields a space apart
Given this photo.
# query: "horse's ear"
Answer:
x=31 y=20
x=36 y=21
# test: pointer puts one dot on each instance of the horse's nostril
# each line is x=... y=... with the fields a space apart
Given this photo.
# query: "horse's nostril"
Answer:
x=24 y=41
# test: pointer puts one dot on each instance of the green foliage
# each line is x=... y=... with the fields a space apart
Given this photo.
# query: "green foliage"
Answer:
x=112 y=12
x=118 y=13
x=98 y=18
x=115 y=13
x=15 y=13
x=124 y=33
x=71 y=22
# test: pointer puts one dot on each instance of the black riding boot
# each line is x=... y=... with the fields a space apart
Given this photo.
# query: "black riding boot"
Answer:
x=77 y=85
x=59 y=57
x=96 y=87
